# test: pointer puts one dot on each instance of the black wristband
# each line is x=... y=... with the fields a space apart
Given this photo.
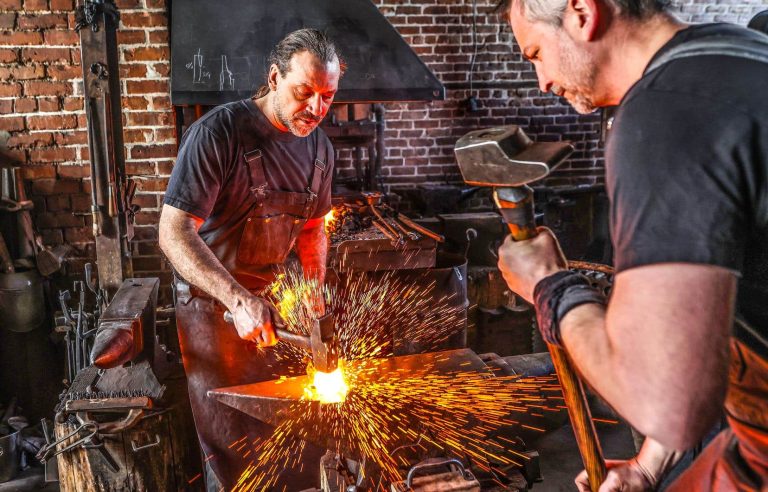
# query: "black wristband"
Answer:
x=556 y=295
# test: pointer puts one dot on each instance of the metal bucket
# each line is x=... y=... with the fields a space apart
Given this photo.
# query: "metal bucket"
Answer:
x=9 y=456
x=22 y=305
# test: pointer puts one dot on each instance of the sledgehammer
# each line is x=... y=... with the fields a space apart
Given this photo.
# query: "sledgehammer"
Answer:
x=507 y=160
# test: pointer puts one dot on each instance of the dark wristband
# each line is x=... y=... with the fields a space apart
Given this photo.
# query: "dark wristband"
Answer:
x=556 y=295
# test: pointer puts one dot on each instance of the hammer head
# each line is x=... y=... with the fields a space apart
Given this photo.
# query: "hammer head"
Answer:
x=325 y=355
x=505 y=157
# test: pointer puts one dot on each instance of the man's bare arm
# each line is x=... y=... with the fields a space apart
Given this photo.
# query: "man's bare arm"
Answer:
x=660 y=353
x=197 y=264
x=312 y=248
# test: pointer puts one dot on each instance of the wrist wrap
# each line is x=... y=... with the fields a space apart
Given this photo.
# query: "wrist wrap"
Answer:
x=556 y=295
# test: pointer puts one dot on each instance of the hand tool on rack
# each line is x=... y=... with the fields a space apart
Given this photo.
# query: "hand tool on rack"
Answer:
x=321 y=342
x=505 y=159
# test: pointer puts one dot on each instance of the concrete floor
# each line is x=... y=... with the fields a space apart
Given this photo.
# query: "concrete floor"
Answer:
x=560 y=459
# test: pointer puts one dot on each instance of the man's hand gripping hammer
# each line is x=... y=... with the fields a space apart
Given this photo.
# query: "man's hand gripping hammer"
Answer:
x=505 y=159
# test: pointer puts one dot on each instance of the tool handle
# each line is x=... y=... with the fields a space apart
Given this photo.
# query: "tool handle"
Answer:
x=581 y=417
x=418 y=228
x=516 y=207
x=6 y=262
x=294 y=339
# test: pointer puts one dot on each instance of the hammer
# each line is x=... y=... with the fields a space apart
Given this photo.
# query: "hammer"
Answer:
x=321 y=342
x=505 y=159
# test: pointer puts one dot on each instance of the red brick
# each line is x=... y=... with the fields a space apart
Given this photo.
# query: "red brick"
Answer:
x=55 y=154
x=10 y=4
x=42 y=21
x=7 y=20
x=20 y=38
x=61 y=38
x=81 y=203
x=75 y=235
x=52 y=237
x=38 y=172
x=49 y=220
x=37 y=139
x=147 y=54
x=62 y=4
x=71 y=138
x=22 y=72
x=52 y=122
x=130 y=37
x=128 y=4
x=161 y=103
x=152 y=151
x=156 y=4
x=165 y=134
x=35 y=5
x=64 y=72
x=9 y=55
x=139 y=168
x=133 y=71
x=82 y=122
x=158 y=37
x=164 y=168
x=162 y=69
x=57 y=203
x=152 y=184
x=51 y=55
x=76 y=58
x=73 y=104
x=12 y=123
x=6 y=106
x=135 y=102
x=147 y=86
x=36 y=88
x=48 y=104
x=149 y=119
x=73 y=171
x=25 y=105
x=55 y=186
x=143 y=19
x=137 y=135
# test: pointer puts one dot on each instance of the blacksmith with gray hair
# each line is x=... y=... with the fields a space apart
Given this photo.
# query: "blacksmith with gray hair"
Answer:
x=682 y=340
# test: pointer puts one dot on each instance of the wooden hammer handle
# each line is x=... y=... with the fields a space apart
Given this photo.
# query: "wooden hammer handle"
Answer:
x=516 y=206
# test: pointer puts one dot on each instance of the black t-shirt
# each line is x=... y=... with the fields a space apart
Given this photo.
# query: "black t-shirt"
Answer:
x=211 y=180
x=687 y=170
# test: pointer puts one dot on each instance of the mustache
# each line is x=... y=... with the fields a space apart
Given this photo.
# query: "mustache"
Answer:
x=309 y=116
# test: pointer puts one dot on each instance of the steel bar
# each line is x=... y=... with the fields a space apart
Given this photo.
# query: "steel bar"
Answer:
x=418 y=228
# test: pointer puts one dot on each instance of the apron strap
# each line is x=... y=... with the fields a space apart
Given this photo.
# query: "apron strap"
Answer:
x=318 y=171
x=255 y=163
x=753 y=46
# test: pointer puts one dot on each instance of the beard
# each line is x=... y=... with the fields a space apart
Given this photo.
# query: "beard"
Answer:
x=580 y=72
x=300 y=124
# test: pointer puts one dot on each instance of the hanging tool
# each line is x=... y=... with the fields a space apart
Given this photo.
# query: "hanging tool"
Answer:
x=505 y=159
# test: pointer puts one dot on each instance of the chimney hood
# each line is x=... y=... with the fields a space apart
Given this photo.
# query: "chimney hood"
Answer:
x=219 y=49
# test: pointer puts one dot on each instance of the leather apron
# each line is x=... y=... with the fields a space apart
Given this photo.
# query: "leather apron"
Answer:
x=737 y=459
x=213 y=353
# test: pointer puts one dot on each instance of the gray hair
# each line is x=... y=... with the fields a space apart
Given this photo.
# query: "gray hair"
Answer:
x=312 y=40
x=551 y=11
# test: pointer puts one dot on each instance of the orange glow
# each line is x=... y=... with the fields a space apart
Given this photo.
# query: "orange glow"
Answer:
x=327 y=387
x=330 y=218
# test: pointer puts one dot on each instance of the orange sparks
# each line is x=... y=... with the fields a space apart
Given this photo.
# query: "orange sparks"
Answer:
x=327 y=387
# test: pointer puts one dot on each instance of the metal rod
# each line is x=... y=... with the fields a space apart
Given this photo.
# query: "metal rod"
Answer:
x=418 y=228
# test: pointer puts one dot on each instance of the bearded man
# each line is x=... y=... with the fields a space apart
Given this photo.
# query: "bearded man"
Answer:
x=686 y=167
x=251 y=181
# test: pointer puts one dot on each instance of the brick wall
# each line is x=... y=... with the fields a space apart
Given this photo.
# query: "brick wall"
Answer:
x=43 y=123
